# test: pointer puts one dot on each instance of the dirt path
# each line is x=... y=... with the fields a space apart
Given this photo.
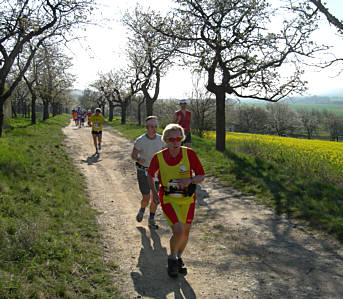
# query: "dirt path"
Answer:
x=237 y=248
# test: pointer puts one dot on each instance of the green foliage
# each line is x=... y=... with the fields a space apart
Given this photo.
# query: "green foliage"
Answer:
x=273 y=183
x=48 y=232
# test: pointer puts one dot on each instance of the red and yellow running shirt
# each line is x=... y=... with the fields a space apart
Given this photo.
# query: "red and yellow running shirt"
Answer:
x=97 y=121
x=193 y=160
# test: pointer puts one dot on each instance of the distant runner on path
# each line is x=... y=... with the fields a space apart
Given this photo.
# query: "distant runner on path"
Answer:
x=97 y=120
x=183 y=117
x=74 y=113
x=175 y=166
x=144 y=148
x=79 y=116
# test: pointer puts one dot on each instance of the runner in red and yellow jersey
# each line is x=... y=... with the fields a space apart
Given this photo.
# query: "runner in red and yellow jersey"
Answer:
x=97 y=120
x=175 y=166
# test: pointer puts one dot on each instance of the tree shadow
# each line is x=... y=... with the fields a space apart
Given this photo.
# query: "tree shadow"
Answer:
x=153 y=280
x=295 y=195
x=281 y=259
x=92 y=159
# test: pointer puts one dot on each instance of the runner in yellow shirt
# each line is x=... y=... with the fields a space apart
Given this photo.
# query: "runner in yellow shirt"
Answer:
x=97 y=120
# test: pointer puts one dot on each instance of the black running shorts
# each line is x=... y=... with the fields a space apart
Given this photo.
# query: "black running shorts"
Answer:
x=97 y=132
x=143 y=182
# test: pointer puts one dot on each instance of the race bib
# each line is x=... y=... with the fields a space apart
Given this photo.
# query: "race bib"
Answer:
x=97 y=125
x=174 y=190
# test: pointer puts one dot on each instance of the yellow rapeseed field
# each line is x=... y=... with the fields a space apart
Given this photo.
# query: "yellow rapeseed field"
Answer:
x=315 y=157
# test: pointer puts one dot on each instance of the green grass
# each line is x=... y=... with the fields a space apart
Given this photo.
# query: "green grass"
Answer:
x=274 y=184
x=50 y=244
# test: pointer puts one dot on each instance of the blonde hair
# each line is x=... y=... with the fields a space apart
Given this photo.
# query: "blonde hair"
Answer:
x=172 y=127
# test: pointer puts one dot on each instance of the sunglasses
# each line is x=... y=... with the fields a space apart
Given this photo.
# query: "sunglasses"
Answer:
x=172 y=139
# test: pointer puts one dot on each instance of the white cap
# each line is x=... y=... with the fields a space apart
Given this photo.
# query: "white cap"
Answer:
x=183 y=101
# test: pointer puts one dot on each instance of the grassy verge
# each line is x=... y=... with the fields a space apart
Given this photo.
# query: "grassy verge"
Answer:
x=49 y=239
x=273 y=183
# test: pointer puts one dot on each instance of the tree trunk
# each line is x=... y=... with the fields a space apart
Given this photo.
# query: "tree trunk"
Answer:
x=45 y=110
x=149 y=106
x=220 y=122
x=110 y=112
x=14 y=113
x=33 y=109
x=123 y=113
x=139 y=115
x=103 y=109
x=53 y=109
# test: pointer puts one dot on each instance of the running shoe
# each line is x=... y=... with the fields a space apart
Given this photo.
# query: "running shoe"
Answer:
x=152 y=223
x=99 y=146
x=172 y=267
x=139 y=216
x=181 y=267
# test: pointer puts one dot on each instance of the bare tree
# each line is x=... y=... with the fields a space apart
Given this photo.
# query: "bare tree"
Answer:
x=32 y=76
x=314 y=11
x=282 y=119
x=203 y=108
x=119 y=86
x=88 y=99
x=150 y=54
x=251 y=119
x=242 y=52
x=53 y=79
x=30 y=21
x=332 y=19
x=334 y=125
x=310 y=120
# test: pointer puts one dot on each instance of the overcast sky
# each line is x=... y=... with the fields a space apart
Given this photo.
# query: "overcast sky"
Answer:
x=103 y=49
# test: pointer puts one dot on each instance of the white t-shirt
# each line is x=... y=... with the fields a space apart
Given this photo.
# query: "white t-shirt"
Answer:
x=148 y=147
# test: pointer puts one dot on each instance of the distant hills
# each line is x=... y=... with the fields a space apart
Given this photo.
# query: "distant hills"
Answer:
x=332 y=96
x=315 y=100
x=335 y=92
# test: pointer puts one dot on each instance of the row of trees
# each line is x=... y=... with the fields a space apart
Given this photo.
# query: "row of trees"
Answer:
x=240 y=45
x=30 y=32
x=46 y=82
x=282 y=120
x=273 y=118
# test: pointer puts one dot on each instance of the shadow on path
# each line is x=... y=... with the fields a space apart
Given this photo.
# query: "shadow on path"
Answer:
x=153 y=280
x=92 y=159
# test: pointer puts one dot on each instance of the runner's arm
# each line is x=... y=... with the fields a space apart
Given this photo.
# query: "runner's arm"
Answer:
x=152 y=186
x=135 y=156
x=175 y=118
x=194 y=180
